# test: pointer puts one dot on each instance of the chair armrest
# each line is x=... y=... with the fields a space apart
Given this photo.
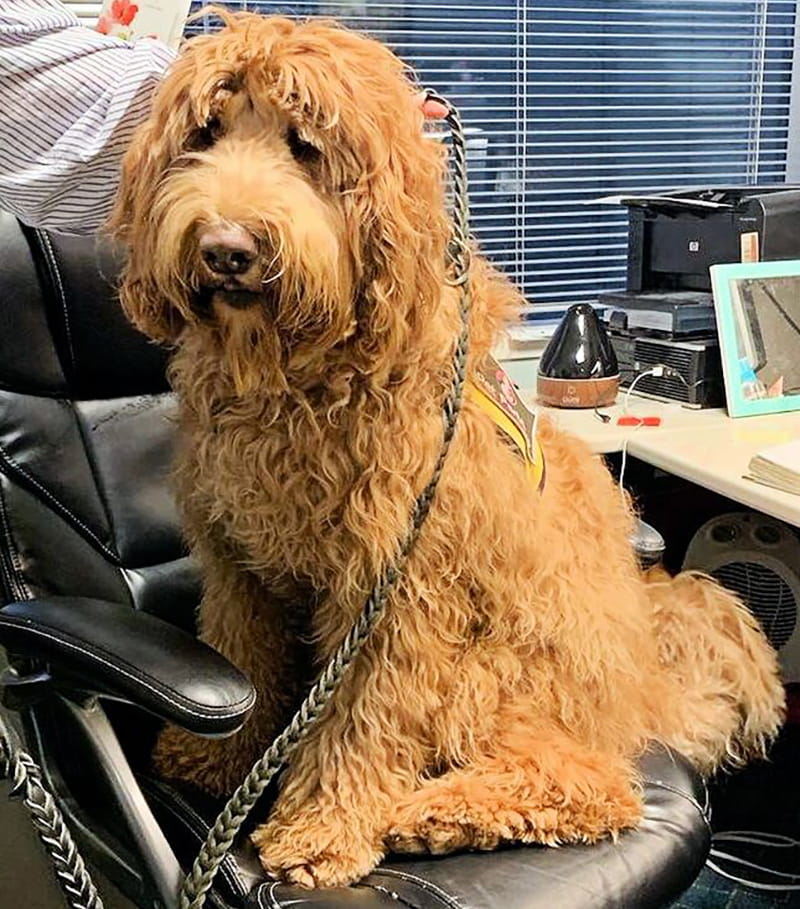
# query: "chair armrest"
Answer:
x=113 y=650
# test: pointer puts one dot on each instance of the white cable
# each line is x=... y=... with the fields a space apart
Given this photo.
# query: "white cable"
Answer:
x=754 y=838
x=657 y=370
x=624 y=462
x=738 y=860
x=753 y=884
x=660 y=369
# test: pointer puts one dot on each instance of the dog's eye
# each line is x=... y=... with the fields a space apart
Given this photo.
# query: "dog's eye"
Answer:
x=303 y=152
x=206 y=135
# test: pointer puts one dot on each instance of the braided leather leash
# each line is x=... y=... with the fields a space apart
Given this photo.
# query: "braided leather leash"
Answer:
x=227 y=825
x=25 y=775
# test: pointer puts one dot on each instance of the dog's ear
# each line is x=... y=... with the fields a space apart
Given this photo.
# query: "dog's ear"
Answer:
x=155 y=146
x=403 y=227
x=141 y=298
x=183 y=107
x=399 y=225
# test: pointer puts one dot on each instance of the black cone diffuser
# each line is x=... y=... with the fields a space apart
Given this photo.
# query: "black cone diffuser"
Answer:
x=578 y=367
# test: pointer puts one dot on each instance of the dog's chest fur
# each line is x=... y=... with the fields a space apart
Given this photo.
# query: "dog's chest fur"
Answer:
x=304 y=493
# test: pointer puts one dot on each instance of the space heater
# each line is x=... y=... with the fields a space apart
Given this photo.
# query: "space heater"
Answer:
x=758 y=558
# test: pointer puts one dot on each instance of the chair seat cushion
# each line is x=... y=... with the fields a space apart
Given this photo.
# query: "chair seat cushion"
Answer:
x=644 y=869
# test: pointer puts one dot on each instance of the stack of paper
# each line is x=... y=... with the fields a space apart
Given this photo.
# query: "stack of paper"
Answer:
x=778 y=466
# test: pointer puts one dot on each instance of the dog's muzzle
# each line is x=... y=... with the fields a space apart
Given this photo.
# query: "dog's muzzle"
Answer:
x=229 y=265
x=227 y=249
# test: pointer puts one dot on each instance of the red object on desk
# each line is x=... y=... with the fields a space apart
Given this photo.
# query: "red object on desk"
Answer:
x=638 y=421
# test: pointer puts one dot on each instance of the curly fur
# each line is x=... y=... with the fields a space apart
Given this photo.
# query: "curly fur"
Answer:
x=525 y=661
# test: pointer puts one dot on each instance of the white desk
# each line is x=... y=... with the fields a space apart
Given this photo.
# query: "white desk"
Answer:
x=704 y=446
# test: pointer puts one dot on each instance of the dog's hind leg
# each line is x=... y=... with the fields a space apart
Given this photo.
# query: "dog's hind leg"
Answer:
x=548 y=789
x=728 y=699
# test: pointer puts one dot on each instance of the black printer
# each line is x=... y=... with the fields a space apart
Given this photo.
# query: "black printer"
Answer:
x=667 y=309
x=674 y=237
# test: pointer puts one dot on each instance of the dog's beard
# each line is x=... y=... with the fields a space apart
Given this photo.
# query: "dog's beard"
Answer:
x=273 y=324
x=251 y=345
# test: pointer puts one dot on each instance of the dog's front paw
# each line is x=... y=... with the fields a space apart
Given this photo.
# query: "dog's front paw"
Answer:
x=312 y=857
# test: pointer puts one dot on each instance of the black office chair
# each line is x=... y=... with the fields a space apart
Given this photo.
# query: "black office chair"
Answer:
x=98 y=626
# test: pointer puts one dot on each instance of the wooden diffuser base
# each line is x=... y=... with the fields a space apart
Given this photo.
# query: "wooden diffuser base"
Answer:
x=577 y=392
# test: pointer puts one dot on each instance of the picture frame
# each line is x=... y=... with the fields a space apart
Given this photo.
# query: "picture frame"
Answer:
x=757 y=305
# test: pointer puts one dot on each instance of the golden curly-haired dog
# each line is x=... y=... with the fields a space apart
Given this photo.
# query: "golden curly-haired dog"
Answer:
x=286 y=229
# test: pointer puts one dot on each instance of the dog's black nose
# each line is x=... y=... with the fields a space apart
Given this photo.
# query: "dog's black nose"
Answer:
x=225 y=260
x=227 y=249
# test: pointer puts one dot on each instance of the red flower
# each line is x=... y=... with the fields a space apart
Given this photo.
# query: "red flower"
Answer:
x=103 y=25
x=123 y=11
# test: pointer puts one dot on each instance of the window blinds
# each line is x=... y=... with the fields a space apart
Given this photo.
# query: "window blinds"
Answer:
x=571 y=100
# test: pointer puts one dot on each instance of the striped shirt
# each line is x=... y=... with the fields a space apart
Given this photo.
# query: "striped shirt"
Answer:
x=70 y=98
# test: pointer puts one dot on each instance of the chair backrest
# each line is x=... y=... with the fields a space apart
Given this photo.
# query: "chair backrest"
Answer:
x=86 y=435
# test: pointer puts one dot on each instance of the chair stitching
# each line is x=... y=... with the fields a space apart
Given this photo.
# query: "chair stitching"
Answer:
x=421 y=882
x=270 y=890
x=18 y=577
x=390 y=893
x=135 y=403
x=4 y=456
x=658 y=784
x=93 y=469
x=172 y=698
x=55 y=274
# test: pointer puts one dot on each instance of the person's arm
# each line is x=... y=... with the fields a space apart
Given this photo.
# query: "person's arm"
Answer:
x=70 y=98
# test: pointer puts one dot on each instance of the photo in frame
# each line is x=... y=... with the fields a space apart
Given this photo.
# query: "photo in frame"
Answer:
x=758 y=318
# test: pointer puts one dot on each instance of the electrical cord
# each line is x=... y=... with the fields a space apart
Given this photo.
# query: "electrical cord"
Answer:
x=624 y=462
x=753 y=838
x=671 y=373
x=657 y=370
x=660 y=369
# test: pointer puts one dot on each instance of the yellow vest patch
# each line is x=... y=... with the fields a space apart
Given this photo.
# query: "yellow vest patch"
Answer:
x=494 y=392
